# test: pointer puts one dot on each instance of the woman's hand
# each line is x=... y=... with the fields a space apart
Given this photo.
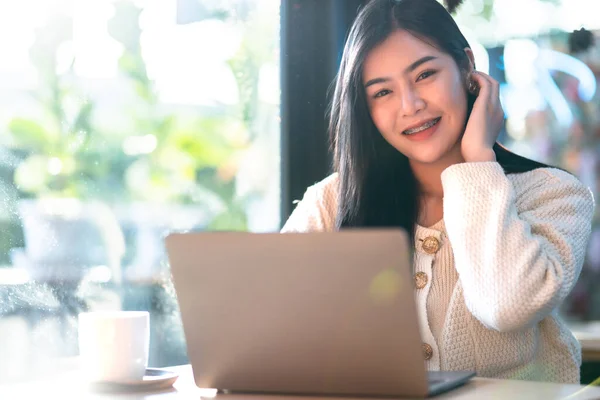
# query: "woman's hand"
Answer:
x=485 y=121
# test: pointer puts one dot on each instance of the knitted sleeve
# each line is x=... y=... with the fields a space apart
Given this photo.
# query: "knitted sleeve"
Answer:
x=317 y=209
x=518 y=246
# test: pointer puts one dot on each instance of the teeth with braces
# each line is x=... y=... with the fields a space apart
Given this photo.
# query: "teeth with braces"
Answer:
x=422 y=127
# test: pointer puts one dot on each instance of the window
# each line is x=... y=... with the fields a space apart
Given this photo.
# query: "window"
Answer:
x=549 y=91
x=123 y=120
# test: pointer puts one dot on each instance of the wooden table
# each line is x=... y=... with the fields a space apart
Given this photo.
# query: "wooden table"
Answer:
x=68 y=386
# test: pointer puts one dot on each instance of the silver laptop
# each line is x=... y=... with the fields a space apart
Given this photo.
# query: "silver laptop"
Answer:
x=302 y=313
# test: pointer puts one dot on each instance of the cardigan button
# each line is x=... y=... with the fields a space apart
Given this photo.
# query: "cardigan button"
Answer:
x=421 y=279
x=430 y=245
x=427 y=351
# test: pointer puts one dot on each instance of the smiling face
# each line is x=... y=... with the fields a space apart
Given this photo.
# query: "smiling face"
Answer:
x=417 y=98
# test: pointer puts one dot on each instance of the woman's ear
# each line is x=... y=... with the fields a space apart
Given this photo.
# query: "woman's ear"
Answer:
x=471 y=58
x=470 y=84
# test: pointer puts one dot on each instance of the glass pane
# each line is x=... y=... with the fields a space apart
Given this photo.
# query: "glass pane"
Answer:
x=121 y=121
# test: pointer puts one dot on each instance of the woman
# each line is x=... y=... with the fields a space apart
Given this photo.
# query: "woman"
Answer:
x=499 y=239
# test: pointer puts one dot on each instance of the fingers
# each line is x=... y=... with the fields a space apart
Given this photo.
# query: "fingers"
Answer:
x=489 y=91
x=488 y=86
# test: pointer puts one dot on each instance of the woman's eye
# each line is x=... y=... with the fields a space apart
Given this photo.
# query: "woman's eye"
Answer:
x=382 y=93
x=425 y=75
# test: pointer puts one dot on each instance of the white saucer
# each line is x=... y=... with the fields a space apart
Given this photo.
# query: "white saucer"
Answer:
x=154 y=379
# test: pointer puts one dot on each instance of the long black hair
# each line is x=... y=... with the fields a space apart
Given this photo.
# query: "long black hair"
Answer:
x=376 y=185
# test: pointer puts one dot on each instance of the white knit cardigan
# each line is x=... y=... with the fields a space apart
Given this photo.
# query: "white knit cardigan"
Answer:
x=518 y=243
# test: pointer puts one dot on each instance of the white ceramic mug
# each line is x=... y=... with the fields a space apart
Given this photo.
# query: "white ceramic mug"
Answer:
x=113 y=345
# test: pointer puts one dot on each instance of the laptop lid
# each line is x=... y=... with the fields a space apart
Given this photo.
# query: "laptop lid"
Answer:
x=303 y=313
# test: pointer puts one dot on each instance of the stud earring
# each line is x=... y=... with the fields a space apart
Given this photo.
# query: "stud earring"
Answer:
x=472 y=87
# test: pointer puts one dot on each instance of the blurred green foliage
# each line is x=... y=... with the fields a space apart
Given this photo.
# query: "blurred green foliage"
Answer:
x=182 y=160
